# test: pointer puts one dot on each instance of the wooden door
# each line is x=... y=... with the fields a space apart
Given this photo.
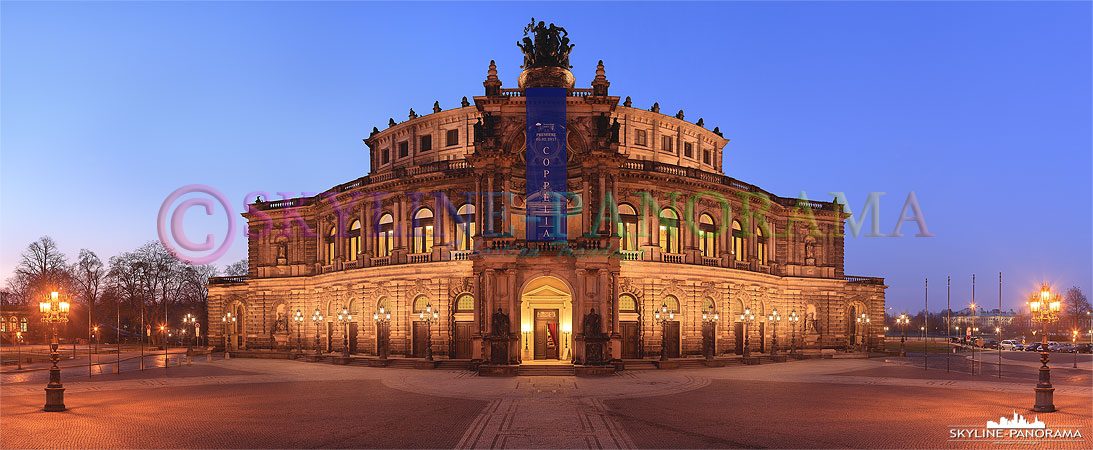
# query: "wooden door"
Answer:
x=330 y=336
x=546 y=334
x=709 y=339
x=419 y=339
x=463 y=342
x=381 y=337
x=352 y=337
x=673 y=339
x=738 y=333
x=629 y=331
x=762 y=337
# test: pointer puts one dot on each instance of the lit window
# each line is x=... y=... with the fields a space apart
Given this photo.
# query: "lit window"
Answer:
x=761 y=246
x=465 y=303
x=707 y=234
x=385 y=238
x=423 y=231
x=673 y=303
x=628 y=227
x=669 y=231
x=465 y=228
x=627 y=303
x=737 y=241
x=330 y=245
x=420 y=303
x=354 y=240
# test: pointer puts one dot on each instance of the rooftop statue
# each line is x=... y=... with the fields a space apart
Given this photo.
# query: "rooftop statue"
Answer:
x=550 y=47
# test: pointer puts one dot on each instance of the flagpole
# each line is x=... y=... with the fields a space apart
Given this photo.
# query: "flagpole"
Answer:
x=926 y=328
x=948 y=322
x=999 y=325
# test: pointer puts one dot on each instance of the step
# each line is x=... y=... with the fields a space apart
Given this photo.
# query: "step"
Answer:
x=546 y=370
x=639 y=364
x=691 y=363
x=454 y=364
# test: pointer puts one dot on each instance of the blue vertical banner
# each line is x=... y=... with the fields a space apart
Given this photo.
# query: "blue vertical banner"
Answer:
x=546 y=139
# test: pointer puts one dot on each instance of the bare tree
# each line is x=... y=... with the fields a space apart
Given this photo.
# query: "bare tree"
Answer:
x=88 y=275
x=238 y=268
x=43 y=268
x=1075 y=307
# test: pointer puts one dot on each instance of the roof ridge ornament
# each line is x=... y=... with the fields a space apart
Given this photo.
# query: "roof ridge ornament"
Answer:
x=546 y=56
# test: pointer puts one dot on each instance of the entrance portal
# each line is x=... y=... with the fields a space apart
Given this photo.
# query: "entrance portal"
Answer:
x=546 y=321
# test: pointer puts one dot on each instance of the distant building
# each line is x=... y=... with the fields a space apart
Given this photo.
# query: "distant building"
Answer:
x=985 y=320
x=15 y=319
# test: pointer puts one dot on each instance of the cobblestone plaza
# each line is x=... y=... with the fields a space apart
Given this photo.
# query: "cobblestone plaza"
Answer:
x=259 y=403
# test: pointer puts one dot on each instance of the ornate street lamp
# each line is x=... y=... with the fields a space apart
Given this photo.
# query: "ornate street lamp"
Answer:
x=343 y=318
x=429 y=316
x=663 y=317
x=902 y=321
x=710 y=319
x=54 y=311
x=793 y=319
x=191 y=320
x=382 y=318
x=227 y=339
x=317 y=318
x=863 y=321
x=774 y=318
x=1044 y=306
x=299 y=319
x=526 y=328
x=747 y=317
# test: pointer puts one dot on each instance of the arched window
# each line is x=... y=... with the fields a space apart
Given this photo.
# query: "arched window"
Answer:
x=760 y=245
x=708 y=305
x=23 y=324
x=464 y=303
x=627 y=303
x=420 y=303
x=737 y=241
x=353 y=308
x=385 y=238
x=423 y=231
x=707 y=232
x=465 y=227
x=330 y=235
x=673 y=303
x=381 y=304
x=628 y=227
x=354 y=239
x=669 y=231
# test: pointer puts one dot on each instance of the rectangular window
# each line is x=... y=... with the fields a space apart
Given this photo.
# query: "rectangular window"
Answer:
x=688 y=150
x=403 y=149
x=453 y=137
x=426 y=144
x=386 y=155
x=666 y=144
x=640 y=138
x=705 y=157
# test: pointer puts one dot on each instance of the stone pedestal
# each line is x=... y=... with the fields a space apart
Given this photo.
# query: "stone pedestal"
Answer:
x=596 y=351
x=667 y=364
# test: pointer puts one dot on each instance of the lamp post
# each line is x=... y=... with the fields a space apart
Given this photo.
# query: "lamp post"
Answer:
x=299 y=319
x=317 y=318
x=863 y=320
x=747 y=317
x=1074 y=343
x=662 y=317
x=1044 y=306
x=191 y=320
x=774 y=318
x=429 y=316
x=902 y=321
x=526 y=329
x=343 y=318
x=566 y=329
x=382 y=318
x=793 y=319
x=54 y=311
x=710 y=319
x=225 y=319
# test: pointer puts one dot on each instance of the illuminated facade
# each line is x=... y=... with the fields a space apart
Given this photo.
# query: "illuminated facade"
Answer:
x=651 y=220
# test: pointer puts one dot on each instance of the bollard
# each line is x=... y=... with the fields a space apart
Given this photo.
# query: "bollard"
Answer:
x=227 y=355
x=189 y=360
x=208 y=357
x=179 y=360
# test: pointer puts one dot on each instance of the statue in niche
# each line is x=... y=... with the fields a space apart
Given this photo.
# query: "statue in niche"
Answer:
x=479 y=131
x=614 y=133
x=592 y=324
x=500 y=324
x=810 y=252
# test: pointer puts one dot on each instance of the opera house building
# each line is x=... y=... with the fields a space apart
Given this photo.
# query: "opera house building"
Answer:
x=543 y=223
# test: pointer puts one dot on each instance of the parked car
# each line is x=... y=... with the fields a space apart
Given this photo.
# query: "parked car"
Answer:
x=1084 y=348
x=1018 y=347
x=1053 y=346
x=1009 y=344
x=1035 y=347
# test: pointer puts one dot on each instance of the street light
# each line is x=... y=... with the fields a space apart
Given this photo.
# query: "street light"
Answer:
x=429 y=316
x=1074 y=343
x=343 y=318
x=190 y=319
x=793 y=319
x=299 y=319
x=382 y=318
x=225 y=319
x=747 y=317
x=663 y=317
x=54 y=311
x=863 y=320
x=526 y=329
x=710 y=319
x=902 y=321
x=774 y=318
x=1044 y=306
x=317 y=318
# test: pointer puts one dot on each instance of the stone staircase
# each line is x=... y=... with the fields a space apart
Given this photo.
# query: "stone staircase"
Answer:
x=454 y=364
x=546 y=370
x=691 y=363
x=639 y=364
x=400 y=363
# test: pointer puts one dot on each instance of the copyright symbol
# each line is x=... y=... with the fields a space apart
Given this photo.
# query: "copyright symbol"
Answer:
x=177 y=232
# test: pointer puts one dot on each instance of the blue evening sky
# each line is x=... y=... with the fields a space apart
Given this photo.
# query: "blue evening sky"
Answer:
x=982 y=109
